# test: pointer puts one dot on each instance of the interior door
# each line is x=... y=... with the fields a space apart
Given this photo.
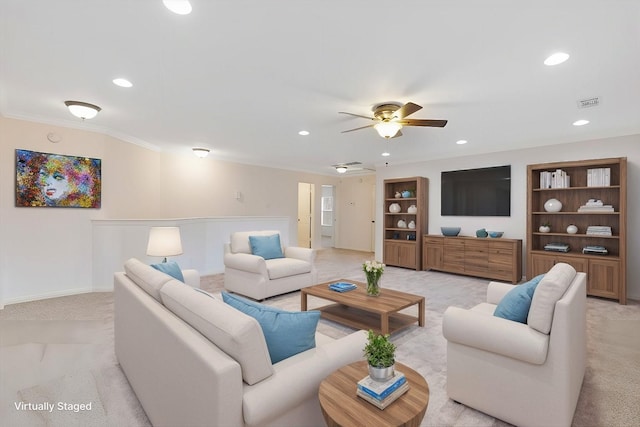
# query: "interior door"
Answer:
x=305 y=199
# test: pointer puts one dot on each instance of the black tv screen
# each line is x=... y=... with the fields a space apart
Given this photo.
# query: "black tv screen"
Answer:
x=476 y=192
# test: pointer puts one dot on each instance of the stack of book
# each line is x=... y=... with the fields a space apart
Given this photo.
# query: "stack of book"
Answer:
x=557 y=179
x=594 y=205
x=599 y=177
x=382 y=394
x=342 y=286
x=557 y=247
x=595 y=250
x=599 y=230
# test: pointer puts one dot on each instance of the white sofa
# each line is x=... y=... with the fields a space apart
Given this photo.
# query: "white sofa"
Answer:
x=193 y=360
x=527 y=374
x=253 y=276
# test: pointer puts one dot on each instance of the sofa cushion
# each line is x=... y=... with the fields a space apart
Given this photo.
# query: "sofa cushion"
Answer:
x=171 y=268
x=148 y=279
x=287 y=333
x=267 y=247
x=516 y=303
x=235 y=333
x=239 y=240
x=550 y=289
x=285 y=267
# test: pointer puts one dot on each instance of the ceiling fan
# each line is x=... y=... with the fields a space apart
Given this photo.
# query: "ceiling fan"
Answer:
x=391 y=117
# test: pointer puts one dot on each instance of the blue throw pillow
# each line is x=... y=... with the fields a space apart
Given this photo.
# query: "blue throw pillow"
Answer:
x=171 y=268
x=287 y=332
x=516 y=303
x=268 y=247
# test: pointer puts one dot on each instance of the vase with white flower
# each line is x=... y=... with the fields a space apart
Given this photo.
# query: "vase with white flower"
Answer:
x=373 y=270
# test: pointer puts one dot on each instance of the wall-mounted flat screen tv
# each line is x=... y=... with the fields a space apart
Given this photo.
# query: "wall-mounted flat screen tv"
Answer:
x=476 y=192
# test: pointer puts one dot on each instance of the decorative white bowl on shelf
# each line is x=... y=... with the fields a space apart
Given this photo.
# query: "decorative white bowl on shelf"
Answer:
x=412 y=209
x=572 y=229
x=402 y=224
x=496 y=234
x=553 y=205
x=450 y=231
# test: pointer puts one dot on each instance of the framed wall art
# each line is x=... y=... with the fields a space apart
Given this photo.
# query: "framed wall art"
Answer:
x=57 y=180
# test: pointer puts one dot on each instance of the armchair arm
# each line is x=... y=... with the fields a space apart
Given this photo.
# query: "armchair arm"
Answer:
x=246 y=262
x=495 y=334
x=304 y=254
x=191 y=277
x=497 y=290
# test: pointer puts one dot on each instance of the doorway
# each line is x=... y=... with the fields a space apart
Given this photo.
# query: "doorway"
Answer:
x=327 y=216
x=305 y=209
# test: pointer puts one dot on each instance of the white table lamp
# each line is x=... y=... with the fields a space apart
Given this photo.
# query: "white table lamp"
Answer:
x=164 y=242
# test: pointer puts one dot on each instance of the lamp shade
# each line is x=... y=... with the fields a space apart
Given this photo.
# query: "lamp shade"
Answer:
x=388 y=129
x=164 y=241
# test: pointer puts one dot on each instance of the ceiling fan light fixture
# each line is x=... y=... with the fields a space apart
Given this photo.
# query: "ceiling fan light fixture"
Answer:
x=82 y=110
x=388 y=129
x=341 y=169
x=179 y=7
x=201 y=152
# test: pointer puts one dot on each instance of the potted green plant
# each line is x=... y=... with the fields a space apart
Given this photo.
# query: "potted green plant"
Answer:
x=380 y=354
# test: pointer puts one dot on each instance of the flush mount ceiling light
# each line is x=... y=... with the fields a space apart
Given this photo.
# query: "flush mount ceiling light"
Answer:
x=180 y=7
x=83 y=110
x=341 y=169
x=388 y=129
x=556 y=58
x=201 y=152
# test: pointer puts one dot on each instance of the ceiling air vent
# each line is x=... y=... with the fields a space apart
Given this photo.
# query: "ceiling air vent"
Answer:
x=589 y=102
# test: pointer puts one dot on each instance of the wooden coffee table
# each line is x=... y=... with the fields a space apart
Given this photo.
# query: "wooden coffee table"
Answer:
x=357 y=309
x=342 y=407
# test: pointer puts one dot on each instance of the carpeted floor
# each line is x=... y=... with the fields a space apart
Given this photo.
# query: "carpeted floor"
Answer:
x=62 y=350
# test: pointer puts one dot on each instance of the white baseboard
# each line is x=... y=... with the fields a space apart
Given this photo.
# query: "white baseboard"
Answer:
x=61 y=293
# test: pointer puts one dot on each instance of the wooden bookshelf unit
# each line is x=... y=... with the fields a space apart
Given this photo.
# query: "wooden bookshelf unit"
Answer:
x=402 y=246
x=606 y=274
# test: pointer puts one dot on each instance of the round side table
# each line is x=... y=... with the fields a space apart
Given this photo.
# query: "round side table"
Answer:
x=342 y=407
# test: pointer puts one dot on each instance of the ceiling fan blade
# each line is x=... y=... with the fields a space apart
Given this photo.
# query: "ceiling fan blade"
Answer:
x=423 y=122
x=407 y=109
x=362 y=127
x=356 y=115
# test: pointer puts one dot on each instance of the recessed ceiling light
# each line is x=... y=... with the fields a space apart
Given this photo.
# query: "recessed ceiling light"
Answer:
x=122 y=82
x=180 y=7
x=386 y=154
x=461 y=141
x=303 y=132
x=556 y=58
x=581 y=122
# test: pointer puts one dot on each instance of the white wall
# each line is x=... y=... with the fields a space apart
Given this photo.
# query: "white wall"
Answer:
x=46 y=252
x=515 y=226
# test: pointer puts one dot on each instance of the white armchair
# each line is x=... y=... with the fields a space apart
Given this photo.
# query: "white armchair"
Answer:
x=527 y=374
x=258 y=278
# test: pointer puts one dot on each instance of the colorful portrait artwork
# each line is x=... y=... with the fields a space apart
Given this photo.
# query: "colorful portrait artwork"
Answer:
x=44 y=179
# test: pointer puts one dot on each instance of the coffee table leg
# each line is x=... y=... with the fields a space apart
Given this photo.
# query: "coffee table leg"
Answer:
x=303 y=301
x=421 y=313
x=384 y=323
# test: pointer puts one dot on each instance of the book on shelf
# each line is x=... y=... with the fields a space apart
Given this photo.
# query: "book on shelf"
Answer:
x=603 y=208
x=596 y=250
x=381 y=389
x=599 y=177
x=599 y=230
x=383 y=403
x=556 y=179
x=342 y=286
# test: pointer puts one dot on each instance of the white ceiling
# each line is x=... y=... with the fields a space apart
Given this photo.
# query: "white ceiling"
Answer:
x=243 y=77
